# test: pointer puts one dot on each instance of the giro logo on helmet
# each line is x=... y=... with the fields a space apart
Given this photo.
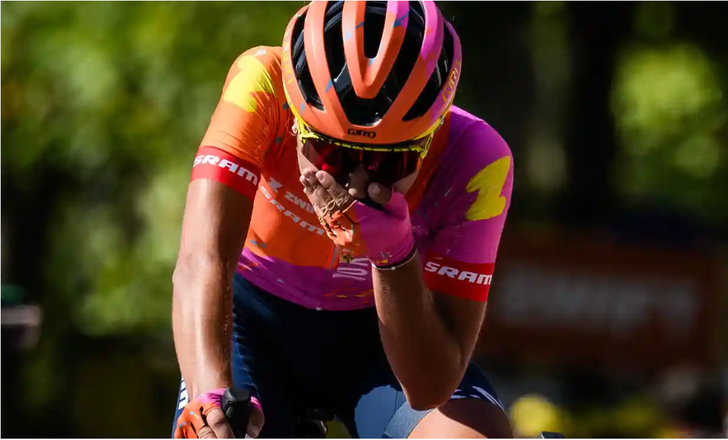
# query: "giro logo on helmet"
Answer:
x=364 y=133
x=448 y=92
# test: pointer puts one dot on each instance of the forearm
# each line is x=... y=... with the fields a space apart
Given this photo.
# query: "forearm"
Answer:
x=202 y=322
x=424 y=354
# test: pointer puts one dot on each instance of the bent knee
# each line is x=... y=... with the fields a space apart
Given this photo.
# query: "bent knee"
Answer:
x=464 y=418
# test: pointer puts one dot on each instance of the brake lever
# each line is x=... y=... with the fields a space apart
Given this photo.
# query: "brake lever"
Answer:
x=237 y=407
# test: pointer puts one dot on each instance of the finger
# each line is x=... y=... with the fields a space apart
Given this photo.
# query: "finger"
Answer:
x=256 y=423
x=379 y=193
x=358 y=180
x=306 y=176
x=217 y=422
x=336 y=191
x=309 y=182
x=178 y=432
x=306 y=187
x=324 y=198
x=205 y=432
x=321 y=200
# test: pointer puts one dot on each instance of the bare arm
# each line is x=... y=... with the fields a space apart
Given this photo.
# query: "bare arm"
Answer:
x=428 y=337
x=214 y=228
x=219 y=207
x=430 y=320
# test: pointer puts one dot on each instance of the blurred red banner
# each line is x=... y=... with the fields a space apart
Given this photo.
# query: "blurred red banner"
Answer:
x=585 y=300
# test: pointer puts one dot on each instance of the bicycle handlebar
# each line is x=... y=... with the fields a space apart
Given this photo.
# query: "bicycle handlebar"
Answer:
x=236 y=406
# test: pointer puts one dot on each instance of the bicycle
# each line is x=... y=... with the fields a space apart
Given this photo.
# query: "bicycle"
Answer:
x=236 y=406
x=312 y=424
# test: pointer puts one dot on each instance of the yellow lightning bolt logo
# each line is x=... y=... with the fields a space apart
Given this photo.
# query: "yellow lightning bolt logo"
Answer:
x=252 y=78
x=489 y=184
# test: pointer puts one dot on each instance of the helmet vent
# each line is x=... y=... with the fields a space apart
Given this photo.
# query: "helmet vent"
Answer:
x=374 y=27
x=300 y=66
x=437 y=80
x=367 y=112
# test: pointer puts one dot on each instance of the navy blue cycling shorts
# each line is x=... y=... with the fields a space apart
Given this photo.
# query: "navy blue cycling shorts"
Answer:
x=293 y=358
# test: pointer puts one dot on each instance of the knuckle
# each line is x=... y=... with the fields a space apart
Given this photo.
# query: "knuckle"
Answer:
x=257 y=418
x=216 y=420
x=205 y=432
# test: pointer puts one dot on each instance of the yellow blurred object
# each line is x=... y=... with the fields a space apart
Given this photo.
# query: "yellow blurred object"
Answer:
x=337 y=430
x=532 y=414
x=669 y=432
x=637 y=416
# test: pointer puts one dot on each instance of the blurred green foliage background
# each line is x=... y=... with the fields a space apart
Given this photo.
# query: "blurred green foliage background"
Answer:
x=615 y=113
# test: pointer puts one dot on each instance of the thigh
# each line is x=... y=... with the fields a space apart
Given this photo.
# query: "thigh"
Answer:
x=381 y=409
x=254 y=361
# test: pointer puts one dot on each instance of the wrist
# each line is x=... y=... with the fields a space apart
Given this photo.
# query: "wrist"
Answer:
x=213 y=396
x=206 y=386
x=397 y=251
x=393 y=266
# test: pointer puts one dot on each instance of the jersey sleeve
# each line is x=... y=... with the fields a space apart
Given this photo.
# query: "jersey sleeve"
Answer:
x=245 y=122
x=476 y=195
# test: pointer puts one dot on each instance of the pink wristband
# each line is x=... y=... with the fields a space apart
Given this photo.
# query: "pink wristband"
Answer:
x=214 y=396
x=256 y=403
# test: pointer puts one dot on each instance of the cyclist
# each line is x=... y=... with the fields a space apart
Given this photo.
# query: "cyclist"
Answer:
x=341 y=228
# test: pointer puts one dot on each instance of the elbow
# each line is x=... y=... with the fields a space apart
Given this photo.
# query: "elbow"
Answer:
x=182 y=301
x=427 y=400
x=191 y=275
x=434 y=389
x=182 y=277
x=430 y=395
x=195 y=268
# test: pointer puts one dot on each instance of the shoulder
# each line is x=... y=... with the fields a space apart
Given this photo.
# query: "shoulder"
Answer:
x=267 y=56
x=470 y=192
x=252 y=112
x=473 y=178
x=473 y=144
x=476 y=157
x=255 y=71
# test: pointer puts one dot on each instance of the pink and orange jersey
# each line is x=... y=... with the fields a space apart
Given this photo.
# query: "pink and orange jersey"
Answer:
x=458 y=204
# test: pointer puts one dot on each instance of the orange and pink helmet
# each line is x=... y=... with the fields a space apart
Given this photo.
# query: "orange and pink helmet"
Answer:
x=374 y=72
